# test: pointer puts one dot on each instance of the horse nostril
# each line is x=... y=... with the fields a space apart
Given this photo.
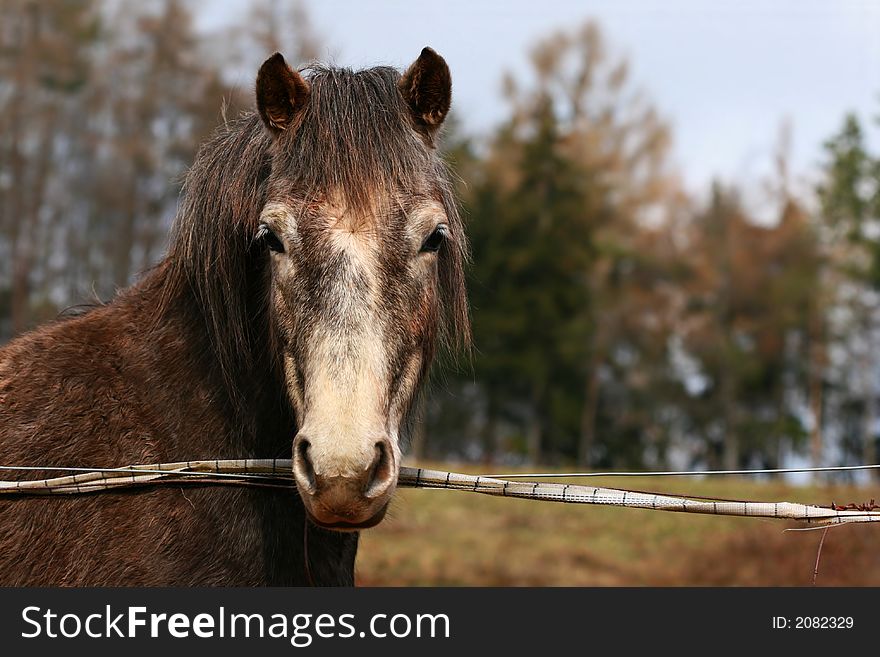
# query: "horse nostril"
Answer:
x=381 y=471
x=303 y=469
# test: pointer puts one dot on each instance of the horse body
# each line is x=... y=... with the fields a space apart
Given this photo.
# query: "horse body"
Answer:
x=305 y=273
x=141 y=392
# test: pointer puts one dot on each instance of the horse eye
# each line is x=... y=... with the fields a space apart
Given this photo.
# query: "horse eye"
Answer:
x=435 y=240
x=270 y=239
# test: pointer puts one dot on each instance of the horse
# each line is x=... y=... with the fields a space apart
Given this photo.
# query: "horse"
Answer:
x=314 y=269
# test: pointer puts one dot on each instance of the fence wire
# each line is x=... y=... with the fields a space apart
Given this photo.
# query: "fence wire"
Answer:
x=278 y=473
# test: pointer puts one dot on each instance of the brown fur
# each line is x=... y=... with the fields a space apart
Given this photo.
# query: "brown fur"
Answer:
x=186 y=363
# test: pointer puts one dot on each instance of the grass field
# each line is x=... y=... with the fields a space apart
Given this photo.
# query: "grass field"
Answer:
x=438 y=537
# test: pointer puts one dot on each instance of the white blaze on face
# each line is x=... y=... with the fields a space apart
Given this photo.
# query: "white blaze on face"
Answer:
x=343 y=404
x=347 y=377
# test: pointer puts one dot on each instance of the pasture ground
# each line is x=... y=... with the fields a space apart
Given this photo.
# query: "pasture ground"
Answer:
x=449 y=538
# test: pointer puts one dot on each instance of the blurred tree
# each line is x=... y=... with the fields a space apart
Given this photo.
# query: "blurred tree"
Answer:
x=282 y=25
x=748 y=326
x=530 y=253
x=570 y=188
x=44 y=70
x=849 y=195
x=159 y=101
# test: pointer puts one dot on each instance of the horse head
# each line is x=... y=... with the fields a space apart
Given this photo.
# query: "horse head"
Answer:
x=365 y=251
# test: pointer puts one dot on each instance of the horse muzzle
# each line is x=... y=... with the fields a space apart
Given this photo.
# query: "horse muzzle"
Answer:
x=345 y=501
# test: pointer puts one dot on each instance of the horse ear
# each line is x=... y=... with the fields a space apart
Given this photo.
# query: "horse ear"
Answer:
x=427 y=89
x=281 y=93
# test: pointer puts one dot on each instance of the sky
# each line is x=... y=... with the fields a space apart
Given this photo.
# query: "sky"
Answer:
x=724 y=74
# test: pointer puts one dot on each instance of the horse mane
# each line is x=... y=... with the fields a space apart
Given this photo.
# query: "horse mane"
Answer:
x=210 y=271
x=354 y=137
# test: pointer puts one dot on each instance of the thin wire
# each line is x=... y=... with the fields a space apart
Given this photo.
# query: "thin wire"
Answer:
x=288 y=485
x=127 y=469
x=680 y=473
x=819 y=556
x=809 y=529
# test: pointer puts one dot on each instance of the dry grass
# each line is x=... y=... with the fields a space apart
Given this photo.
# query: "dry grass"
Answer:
x=435 y=537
